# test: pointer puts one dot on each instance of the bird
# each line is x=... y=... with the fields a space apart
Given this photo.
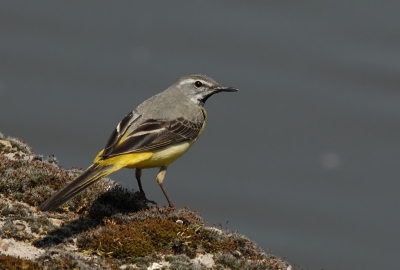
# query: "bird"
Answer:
x=155 y=134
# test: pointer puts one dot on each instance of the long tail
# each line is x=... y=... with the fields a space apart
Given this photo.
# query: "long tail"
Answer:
x=87 y=178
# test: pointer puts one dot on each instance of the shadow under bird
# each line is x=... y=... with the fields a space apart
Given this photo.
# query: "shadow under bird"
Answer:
x=155 y=134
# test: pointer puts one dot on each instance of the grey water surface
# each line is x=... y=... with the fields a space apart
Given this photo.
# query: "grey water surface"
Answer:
x=304 y=159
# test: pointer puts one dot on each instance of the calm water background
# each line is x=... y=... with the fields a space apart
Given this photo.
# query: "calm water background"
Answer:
x=304 y=159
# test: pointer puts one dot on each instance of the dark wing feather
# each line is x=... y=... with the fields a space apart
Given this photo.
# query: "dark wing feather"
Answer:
x=119 y=131
x=155 y=134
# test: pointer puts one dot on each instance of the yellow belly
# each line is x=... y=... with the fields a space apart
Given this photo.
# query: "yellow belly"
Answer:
x=164 y=157
x=144 y=160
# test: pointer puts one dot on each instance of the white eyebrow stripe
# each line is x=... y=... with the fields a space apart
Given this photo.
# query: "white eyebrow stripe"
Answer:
x=186 y=81
x=190 y=80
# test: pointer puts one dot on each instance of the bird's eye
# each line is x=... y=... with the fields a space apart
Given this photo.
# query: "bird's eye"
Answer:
x=198 y=84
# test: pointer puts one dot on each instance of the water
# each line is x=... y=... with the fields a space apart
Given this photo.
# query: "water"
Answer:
x=303 y=160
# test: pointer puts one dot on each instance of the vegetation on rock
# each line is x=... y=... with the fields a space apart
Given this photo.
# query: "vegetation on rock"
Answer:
x=106 y=226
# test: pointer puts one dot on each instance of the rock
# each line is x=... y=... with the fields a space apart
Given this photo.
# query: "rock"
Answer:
x=179 y=222
x=3 y=245
x=6 y=143
x=20 y=226
x=56 y=222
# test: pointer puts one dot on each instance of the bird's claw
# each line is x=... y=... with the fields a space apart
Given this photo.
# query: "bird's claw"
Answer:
x=144 y=198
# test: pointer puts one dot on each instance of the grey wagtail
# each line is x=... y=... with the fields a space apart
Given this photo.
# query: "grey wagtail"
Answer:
x=155 y=134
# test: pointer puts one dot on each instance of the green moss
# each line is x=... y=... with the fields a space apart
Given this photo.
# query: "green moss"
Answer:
x=11 y=263
x=142 y=238
x=58 y=259
x=182 y=262
x=140 y=262
x=228 y=261
x=39 y=224
x=8 y=230
x=20 y=145
x=11 y=213
x=136 y=239
x=33 y=181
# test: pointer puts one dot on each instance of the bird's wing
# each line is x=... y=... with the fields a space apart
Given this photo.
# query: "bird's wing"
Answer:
x=120 y=130
x=150 y=135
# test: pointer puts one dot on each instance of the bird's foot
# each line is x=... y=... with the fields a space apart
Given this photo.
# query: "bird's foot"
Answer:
x=150 y=201
x=144 y=198
x=172 y=206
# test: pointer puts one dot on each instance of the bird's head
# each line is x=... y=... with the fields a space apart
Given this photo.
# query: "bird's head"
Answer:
x=199 y=88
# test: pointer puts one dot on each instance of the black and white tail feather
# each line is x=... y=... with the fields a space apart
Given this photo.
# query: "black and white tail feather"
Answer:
x=86 y=179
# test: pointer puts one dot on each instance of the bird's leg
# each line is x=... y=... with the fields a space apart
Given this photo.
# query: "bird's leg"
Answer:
x=138 y=174
x=160 y=178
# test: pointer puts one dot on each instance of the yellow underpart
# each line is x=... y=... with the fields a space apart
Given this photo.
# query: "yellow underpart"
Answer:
x=163 y=157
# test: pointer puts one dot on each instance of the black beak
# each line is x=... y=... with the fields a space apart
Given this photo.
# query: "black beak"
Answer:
x=225 y=89
x=218 y=90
